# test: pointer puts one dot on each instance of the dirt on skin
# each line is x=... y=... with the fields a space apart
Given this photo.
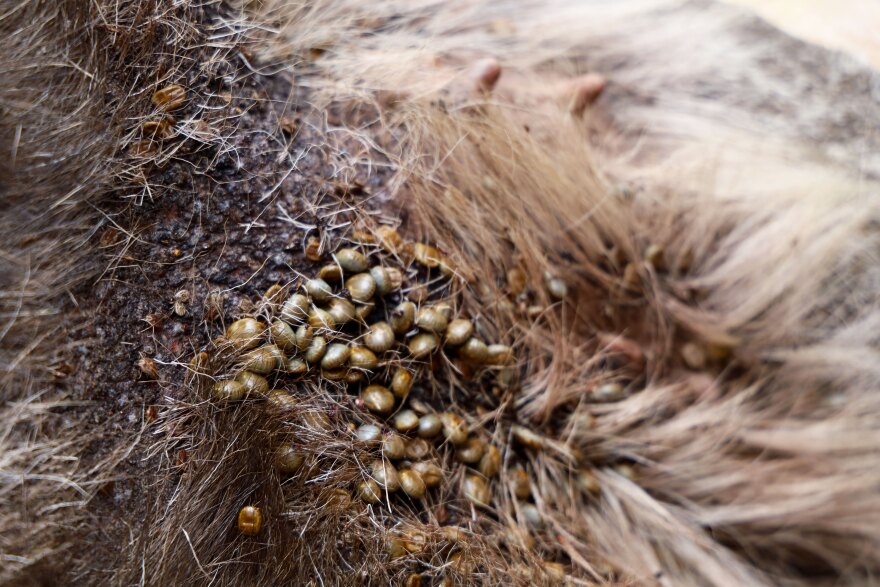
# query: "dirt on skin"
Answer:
x=225 y=225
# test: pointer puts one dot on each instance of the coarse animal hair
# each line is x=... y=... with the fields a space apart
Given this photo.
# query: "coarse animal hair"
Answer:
x=754 y=463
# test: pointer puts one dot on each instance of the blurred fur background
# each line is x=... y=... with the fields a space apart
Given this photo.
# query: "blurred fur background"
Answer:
x=752 y=157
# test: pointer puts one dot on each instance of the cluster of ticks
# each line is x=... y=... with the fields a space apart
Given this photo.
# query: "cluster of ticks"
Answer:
x=372 y=318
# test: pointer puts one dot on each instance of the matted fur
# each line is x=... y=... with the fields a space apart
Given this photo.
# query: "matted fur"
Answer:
x=764 y=473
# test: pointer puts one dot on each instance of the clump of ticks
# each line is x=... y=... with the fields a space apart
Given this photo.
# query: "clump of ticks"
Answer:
x=372 y=324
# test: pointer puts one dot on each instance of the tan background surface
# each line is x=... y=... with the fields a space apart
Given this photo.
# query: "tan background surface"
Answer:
x=848 y=25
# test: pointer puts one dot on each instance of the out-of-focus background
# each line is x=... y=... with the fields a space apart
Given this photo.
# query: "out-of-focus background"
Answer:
x=848 y=25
